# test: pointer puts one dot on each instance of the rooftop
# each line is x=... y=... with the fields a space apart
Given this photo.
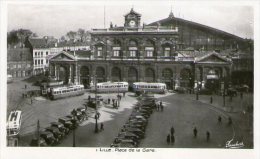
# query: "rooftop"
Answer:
x=19 y=54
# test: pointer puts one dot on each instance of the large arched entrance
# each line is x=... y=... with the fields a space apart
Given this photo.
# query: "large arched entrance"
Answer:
x=116 y=74
x=63 y=74
x=212 y=82
x=167 y=76
x=100 y=73
x=132 y=75
x=185 y=78
x=149 y=75
x=84 y=76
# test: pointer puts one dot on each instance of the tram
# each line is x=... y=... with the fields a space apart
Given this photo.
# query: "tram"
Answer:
x=14 y=123
x=149 y=87
x=107 y=87
x=69 y=91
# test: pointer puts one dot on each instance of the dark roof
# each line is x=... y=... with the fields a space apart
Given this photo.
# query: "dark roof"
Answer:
x=44 y=43
x=80 y=53
x=19 y=54
x=39 y=43
x=171 y=20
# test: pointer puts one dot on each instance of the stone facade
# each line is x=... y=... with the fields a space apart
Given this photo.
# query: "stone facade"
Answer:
x=141 y=53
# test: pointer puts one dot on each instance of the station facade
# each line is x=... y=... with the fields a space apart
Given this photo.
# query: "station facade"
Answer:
x=148 y=53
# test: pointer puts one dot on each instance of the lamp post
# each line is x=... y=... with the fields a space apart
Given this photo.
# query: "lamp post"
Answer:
x=74 y=126
x=118 y=99
x=96 y=124
x=224 y=93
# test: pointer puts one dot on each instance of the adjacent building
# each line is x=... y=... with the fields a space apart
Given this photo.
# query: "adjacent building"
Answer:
x=44 y=48
x=19 y=62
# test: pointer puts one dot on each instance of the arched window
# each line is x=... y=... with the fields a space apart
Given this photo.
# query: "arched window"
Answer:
x=132 y=48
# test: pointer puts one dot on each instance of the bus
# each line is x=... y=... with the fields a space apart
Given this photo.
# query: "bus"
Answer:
x=9 y=78
x=69 y=91
x=149 y=87
x=107 y=87
x=14 y=123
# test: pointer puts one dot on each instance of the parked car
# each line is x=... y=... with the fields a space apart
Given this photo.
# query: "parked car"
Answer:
x=61 y=127
x=49 y=138
x=121 y=142
x=74 y=121
x=232 y=92
x=57 y=134
x=41 y=142
x=67 y=122
x=136 y=131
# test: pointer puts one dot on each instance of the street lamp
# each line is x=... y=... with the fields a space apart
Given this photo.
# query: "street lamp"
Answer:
x=224 y=93
x=74 y=126
x=118 y=99
x=96 y=124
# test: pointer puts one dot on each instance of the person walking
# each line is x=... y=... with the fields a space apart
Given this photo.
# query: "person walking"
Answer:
x=219 y=119
x=168 y=139
x=108 y=100
x=101 y=126
x=172 y=139
x=195 y=131
x=161 y=107
x=172 y=131
x=229 y=121
x=208 y=136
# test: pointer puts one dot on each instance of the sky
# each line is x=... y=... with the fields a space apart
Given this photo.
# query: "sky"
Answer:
x=57 y=20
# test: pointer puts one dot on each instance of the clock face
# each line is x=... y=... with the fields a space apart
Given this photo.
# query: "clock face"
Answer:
x=132 y=23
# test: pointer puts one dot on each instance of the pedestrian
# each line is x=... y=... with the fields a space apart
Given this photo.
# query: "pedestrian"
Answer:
x=101 y=126
x=124 y=94
x=113 y=101
x=211 y=100
x=25 y=86
x=158 y=107
x=195 y=131
x=31 y=101
x=208 y=135
x=241 y=95
x=172 y=139
x=229 y=121
x=172 y=131
x=108 y=100
x=161 y=107
x=168 y=139
x=89 y=97
x=219 y=119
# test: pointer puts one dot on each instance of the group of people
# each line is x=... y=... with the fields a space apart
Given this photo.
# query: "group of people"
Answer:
x=159 y=106
x=195 y=133
x=229 y=120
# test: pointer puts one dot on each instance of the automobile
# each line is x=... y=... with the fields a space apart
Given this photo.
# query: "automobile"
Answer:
x=136 y=131
x=49 y=138
x=232 y=92
x=61 y=127
x=135 y=125
x=41 y=142
x=67 y=122
x=122 y=142
x=56 y=132
x=79 y=114
x=129 y=135
x=134 y=113
x=74 y=121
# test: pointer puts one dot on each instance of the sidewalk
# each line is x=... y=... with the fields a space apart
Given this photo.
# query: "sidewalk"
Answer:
x=236 y=105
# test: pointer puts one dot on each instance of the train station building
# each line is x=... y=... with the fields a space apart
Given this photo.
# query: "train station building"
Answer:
x=180 y=53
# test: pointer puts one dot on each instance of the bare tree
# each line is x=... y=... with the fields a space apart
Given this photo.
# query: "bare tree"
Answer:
x=82 y=34
x=71 y=35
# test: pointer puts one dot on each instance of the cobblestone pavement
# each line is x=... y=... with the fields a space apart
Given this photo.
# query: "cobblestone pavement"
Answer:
x=184 y=113
x=181 y=111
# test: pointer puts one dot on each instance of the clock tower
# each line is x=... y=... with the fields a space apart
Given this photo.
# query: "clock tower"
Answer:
x=132 y=19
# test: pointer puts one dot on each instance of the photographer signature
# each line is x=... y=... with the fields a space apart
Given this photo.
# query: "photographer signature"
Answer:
x=235 y=145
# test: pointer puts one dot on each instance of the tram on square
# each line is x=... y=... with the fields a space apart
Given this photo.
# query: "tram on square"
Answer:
x=66 y=91
x=109 y=87
x=149 y=87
